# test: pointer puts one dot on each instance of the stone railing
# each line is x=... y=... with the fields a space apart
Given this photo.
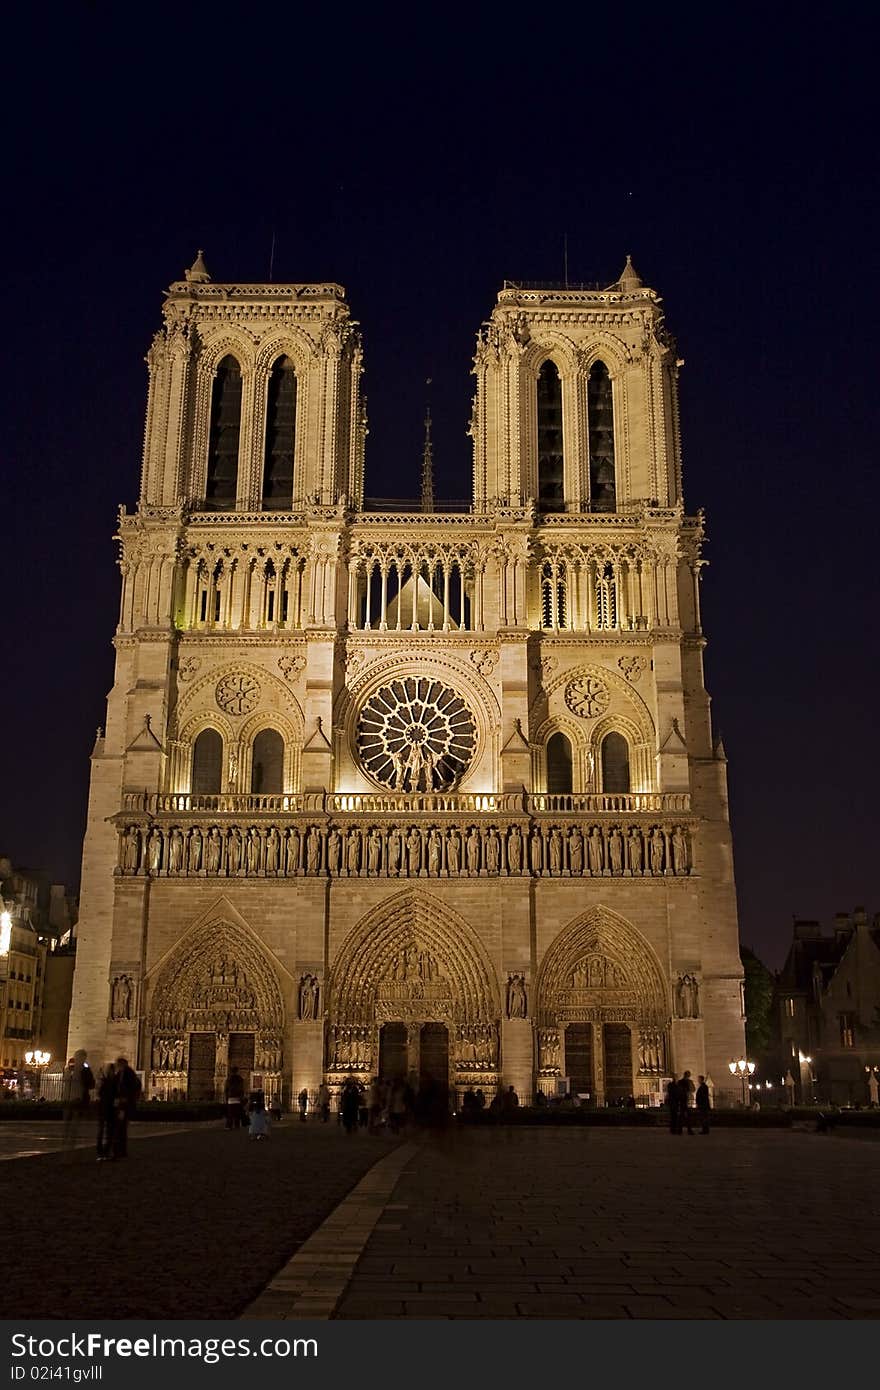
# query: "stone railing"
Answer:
x=406 y=803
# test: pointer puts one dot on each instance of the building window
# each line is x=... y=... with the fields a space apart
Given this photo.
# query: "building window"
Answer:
x=551 y=490
x=600 y=410
x=615 y=763
x=558 y=764
x=207 y=763
x=280 y=436
x=606 y=598
x=222 y=484
x=847 y=1030
x=267 y=766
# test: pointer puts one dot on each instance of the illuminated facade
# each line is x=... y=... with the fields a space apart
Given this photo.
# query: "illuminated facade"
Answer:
x=423 y=791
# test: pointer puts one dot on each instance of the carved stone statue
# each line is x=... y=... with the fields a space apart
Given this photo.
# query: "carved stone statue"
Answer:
x=517 y=1002
x=635 y=851
x=334 y=850
x=272 y=846
x=576 y=852
x=596 y=848
x=555 y=851
x=394 y=850
x=154 y=850
x=175 y=852
x=657 y=848
x=493 y=852
x=313 y=850
x=121 y=996
x=253 y=851
x=536 y=851
x=213 y=851
x=434 y=848
x=514 y=851
x=453 y=852
x=308 y=997
x=131 y=849
x=374 y=852
x=473 y=850
x=414 y=852
x=679 y=851
x=195 y=850
x=687 y=997
x=615 y=851
x=293 y=850
x=233 y=852
x=353 y=852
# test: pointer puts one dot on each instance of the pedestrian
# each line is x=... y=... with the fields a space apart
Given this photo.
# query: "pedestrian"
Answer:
x=374 y=1101
x=234 y=1093
x=259 y=1116
x=76 y=1090
x=349 y=1105
x=303 y=1102
x=397 y=1106
x=106 y=1112
x=324 y=1102
x=128 y=1090
x=509 y=1105
x=363 y=1106
x=686 y=1086
x=702 y=1104
x=673 y=1100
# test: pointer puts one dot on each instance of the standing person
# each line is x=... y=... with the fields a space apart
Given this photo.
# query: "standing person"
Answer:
x=374 y=1103
x=363 y=1106
x=702 y=1104
x=128 y=1090
x=106 y=1112
x=303 y=1103
x=349 y=1105
x=686 y=1088
x=324 y=1102
x=259 y=1116
x=234 y=1093
x=76 y=1090
x=397 y=1106
x=509 y=1104
x=673 y=1100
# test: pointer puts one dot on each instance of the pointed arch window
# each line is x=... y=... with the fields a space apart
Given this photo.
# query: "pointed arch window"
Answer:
x=600 y=411
x=615 y=763
x=207 y=763
x=222 y=484
x=267 y=763
x=558 y=764
x=280 y=436
x=551 y=486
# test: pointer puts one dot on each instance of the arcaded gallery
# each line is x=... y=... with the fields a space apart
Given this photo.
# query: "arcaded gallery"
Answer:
x=409 y=790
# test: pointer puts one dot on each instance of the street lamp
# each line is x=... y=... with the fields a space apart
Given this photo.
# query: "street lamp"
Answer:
x=743 y=1069
x=873 y=1088
x=39 y=1060
x=5 y=932
x=807 y=1061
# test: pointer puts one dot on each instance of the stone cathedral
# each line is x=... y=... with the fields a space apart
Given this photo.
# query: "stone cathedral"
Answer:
x=405 y=789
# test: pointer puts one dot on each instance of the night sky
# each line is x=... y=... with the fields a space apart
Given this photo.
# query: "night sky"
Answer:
x=419 y=163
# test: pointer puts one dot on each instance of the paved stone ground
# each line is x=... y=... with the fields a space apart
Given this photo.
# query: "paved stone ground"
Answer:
x=599 y=1223
x=192 y=1225
x=28 y=1138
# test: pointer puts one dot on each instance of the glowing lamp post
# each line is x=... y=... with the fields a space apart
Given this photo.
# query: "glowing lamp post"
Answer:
x=873 y=1087
x=39 y=1060
x=5 y=933
x=806 y=1065
x=743 y=1069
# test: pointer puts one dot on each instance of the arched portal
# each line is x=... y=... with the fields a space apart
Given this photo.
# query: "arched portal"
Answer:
x=215 y=1003
x=602 y=1010
x=410 y=963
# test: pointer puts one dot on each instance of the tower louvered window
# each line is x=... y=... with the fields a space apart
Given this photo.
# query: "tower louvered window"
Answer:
x=222 y=483
x=600 y=410
x=280 y=436
x=551 y=491
x=615 y=763
x=207 y=763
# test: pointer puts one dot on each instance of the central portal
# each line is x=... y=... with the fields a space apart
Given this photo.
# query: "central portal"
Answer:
x=393 y=1057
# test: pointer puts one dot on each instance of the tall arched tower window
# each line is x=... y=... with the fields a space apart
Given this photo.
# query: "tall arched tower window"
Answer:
x=551 y=490
x=222 y=484
x=267 y=765
x=615 y=763
x=207 y=763
x=280 y=436
x=600 y=410
x=558 y=764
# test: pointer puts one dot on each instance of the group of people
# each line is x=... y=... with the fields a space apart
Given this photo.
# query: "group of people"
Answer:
x=683 y=1099
x=117 y=1091
x=379 y=1103
x=240 y=1111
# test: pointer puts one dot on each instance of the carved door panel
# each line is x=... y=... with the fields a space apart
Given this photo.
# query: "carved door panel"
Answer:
x=618 y=1062
x=241 y=1053
x=434 y=1053
x=579 y=1058
x=393 y=1051
x=202 y=1060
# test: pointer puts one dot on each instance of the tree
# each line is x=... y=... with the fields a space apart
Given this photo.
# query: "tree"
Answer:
x=758 y=1000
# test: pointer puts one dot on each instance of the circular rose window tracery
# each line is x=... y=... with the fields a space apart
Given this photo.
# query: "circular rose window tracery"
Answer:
x=415 y=735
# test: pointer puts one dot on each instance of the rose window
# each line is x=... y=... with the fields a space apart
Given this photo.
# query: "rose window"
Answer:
x=587 y=696
x=416 y=735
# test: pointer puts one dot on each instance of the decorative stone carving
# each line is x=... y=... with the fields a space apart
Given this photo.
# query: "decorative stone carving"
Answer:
x=131 y=850
x=587 y=696
x=188 y=667
x=238 y=694
x=517 y=998
x=687 y=997
x=632 y=667
x=548 y=1051
x=308 y=997
x=122 y=999
x=484 y=660
x=416 y=735
x=291 y=666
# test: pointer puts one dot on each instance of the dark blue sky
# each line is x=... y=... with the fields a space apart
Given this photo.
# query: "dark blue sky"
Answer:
x=420 y=161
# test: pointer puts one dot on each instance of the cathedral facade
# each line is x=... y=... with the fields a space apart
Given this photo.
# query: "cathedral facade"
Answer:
x=418 y=791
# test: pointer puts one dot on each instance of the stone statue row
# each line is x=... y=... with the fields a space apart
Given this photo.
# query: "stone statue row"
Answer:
x=652 y=1052
x=400 y=853
x=350 y=1049
x=476 y=1047
x=169 y=1054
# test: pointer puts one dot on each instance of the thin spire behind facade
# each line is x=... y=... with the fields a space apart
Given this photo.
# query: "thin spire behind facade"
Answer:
x=428 y=462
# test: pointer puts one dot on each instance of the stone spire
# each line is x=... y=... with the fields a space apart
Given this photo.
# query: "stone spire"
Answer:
x=630 y=279
x=428 y=462
x=198 y=271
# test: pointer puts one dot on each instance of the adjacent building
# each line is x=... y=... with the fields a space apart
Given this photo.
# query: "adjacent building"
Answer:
x=420 y=791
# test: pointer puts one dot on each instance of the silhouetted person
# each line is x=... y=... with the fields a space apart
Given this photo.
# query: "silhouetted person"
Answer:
x=686 y=1089
x=128 y=1090
x=324 y=1102
x=673 y=1100
x=234 y=1093
x=509 y=1105
x=349 y=1105
x=76 y=1090
x=303 y=1103
x=106 y=1111
x=702 y=1105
